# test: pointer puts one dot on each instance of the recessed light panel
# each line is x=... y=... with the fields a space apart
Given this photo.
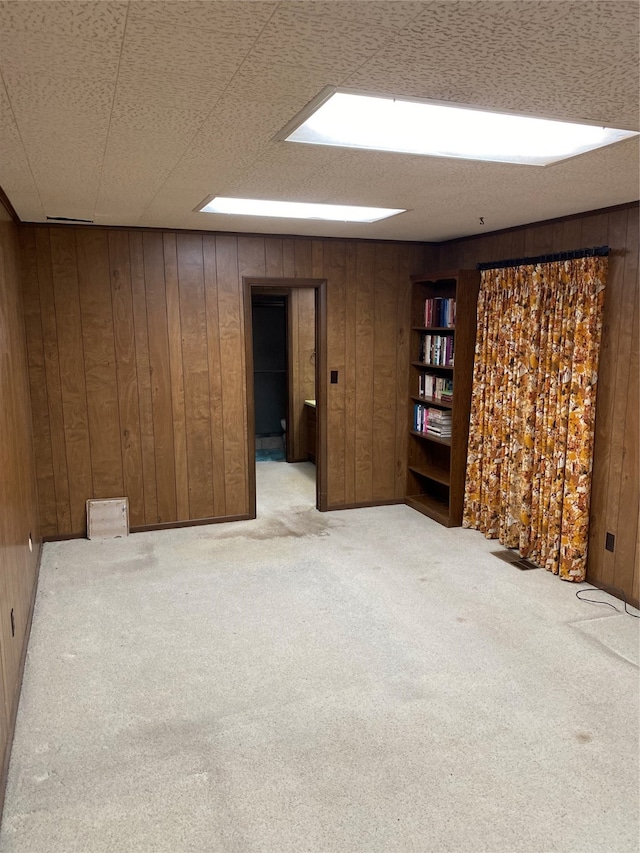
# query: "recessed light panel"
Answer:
x=441 y=129
x=297 y=210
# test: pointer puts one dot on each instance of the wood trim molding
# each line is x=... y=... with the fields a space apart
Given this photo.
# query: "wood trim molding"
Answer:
x=363 y=505
x=192 y=522
x=613 y=591
x=147 y=528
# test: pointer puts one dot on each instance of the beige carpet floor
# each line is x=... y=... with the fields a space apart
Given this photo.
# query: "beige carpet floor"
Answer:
x=363 y=680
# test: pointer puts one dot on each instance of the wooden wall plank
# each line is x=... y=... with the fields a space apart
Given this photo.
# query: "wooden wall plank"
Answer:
x=54 y=384
x=351 y=272
x=64 y=260
x=302 y=364
x=94 y=287
x=196 y=374
x=160 y=370
x=364 y=350
x=179 y=418
x=569 y=235
x=335 y=273
x=628 y=503
x=608 y=433
x=384 y=366
x=251 y=257
x=624 y=473
x=38 y=383
x=408 y=264
x=296 y=425
x=143 y=375
x=233 y=375
x=127 y=374
x=288 y=258
x=307 y=342
x=594 y=231
x=273 y=257
x=302 y=258
x=215 y=377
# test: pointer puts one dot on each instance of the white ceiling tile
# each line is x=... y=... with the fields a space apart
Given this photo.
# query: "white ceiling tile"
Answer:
x=574 y=60
x=179 y=67
x=371 y=13
x=223 y=17
x=72 y=18
x=302 y=52
x=65 y=57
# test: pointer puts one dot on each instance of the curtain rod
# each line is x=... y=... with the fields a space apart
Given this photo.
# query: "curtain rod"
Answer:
x=596 y=251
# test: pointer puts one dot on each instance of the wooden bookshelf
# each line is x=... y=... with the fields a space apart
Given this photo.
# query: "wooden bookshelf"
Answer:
x=436 y=465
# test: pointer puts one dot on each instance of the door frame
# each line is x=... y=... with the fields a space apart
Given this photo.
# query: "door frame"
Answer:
x=278 y=287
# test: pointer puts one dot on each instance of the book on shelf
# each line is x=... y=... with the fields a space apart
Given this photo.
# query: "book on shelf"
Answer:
x=440 y=312
x=433 y=421
x=436 y=349
x=438 y=387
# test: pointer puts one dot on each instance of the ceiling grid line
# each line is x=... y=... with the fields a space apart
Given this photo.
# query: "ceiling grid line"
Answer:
x=24 y=148
x=113 y=101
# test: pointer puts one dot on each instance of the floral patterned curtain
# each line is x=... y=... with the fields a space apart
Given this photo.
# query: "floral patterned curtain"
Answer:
x=533 y=410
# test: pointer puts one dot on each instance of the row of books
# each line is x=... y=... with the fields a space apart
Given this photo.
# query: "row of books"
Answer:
x=437 y=387
x=440 y=312
x=432 y=421
x=436 y=349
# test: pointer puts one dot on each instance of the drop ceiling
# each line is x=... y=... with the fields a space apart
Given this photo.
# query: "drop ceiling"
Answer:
x=134 y=113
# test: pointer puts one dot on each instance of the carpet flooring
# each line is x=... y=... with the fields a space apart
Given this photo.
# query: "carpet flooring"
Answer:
x=364 y=680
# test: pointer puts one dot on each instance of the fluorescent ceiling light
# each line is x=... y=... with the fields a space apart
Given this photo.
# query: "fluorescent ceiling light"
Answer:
x=298 y=210
x=440 y=129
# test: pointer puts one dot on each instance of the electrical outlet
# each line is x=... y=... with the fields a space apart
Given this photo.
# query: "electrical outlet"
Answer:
x=334 y=377
x=610 y=542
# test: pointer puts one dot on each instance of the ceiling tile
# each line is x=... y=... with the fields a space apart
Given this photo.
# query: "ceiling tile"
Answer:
x=551 y=59
x=179 y=67
x=72 y=18
x=303 y=52
x=372 y=13
x=17 y=178
x=223 y=17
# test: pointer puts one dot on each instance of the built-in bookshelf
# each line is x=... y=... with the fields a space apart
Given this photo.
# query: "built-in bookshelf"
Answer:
x=443 y=333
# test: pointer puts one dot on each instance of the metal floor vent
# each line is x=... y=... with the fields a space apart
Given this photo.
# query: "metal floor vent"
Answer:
x=514 y=559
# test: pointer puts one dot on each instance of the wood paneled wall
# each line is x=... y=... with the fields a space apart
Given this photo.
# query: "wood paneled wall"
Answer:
x=136 y=360
x=18 y=503
x=302 y=342
x=614 y=499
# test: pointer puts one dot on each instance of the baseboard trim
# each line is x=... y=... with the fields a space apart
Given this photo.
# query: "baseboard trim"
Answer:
x=614 y=591
x=166 y=525
x=4 y=766
x=63 y=537
x=363 y=505
x=193 y=522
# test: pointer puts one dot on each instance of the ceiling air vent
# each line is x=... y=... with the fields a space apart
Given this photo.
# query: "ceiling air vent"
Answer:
x=68 y=219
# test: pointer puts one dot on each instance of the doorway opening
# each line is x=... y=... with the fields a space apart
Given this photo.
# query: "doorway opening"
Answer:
x=270 y=376
x=285 y=334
